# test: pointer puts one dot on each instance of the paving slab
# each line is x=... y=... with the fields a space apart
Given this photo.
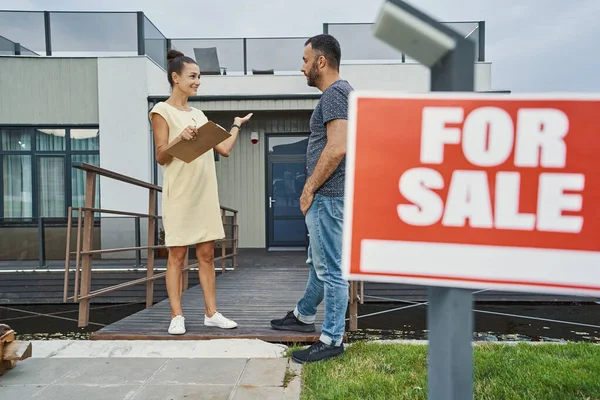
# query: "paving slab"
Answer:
x=184 y=392
x=18 y=392
x=150 y=378
x=294 y=387
x=120 y=371
x=264 y=372
x=198 y=372
x=48 y=348
x=38 y=372
x=258 y=393
x=217 y=348
x=87 y=392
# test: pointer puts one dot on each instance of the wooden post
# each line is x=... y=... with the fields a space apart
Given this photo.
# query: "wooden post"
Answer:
x=353 y=306
x=223 y=245
x=185 y=279
x=88 y=232
x=362 y=292
x=150 y=263
x=77 y=257
x=67 y=256
x=235 y=239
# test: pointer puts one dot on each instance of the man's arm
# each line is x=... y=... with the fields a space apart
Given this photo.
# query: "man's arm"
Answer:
x=331 y=156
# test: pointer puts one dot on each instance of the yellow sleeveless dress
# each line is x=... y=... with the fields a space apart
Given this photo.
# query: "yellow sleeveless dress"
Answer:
x=190 y=198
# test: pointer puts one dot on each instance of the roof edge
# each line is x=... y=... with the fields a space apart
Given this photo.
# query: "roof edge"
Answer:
x=229 y=97
x=292 y=96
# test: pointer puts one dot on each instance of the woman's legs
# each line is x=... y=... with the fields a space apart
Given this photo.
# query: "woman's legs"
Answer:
x=174 y=266
x=205 y=253
x=206 y=269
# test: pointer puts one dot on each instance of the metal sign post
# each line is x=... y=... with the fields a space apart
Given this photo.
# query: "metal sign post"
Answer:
x=451 y=59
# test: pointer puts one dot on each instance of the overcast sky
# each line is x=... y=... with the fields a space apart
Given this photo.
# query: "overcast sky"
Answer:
x=534 y=45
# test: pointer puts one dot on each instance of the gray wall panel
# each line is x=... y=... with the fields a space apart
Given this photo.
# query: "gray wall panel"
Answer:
x=241 y=177
x=48 y=90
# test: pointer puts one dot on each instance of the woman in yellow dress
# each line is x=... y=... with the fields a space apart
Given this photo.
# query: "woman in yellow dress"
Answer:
x=190 y=199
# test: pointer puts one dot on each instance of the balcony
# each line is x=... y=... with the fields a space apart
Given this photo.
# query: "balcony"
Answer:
x=110 y=34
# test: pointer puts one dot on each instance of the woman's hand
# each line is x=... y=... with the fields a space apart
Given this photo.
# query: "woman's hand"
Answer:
x=224 y=148
x=189 y=133
x=240 y=121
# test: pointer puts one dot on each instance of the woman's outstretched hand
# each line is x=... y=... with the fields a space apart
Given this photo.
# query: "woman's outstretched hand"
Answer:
x=239 y=121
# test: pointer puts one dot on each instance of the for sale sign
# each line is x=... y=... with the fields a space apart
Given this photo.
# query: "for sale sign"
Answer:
x=499 y=192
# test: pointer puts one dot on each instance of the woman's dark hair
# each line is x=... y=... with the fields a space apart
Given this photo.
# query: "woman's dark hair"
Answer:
x=175 y=63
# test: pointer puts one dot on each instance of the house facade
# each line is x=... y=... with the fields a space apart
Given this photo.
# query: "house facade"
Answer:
x=74 y=90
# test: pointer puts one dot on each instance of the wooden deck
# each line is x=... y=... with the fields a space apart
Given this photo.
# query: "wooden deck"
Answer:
x=251 y=296
x=22 y=282
x=266 y=286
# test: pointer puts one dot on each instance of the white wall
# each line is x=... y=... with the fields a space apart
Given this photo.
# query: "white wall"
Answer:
x=125 y=145
x=412 y=78
x=157 y=78
x=408 y=77
x=483 y=76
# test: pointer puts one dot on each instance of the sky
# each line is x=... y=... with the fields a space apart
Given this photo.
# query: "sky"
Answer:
x=534 y=45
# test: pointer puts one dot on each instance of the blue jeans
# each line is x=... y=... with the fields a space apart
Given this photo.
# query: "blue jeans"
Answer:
x=324 y=220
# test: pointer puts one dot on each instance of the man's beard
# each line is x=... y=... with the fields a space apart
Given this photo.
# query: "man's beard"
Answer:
x=313 y=75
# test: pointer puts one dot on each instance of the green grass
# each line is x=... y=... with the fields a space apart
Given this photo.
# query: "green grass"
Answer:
x=292 y=348
x=394 y=371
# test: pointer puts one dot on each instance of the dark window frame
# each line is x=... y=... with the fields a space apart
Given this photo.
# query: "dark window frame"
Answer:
x=66 y=153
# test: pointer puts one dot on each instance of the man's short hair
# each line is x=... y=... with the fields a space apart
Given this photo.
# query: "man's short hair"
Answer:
x=327 y=46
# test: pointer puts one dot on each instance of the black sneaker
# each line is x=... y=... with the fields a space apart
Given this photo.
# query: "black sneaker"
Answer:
x=317 y=352
x=291 y=323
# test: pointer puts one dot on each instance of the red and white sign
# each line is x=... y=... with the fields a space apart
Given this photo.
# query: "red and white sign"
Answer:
x=474 y=191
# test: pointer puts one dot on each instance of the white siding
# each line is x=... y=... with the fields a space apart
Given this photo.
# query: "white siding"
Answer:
x=36 y=90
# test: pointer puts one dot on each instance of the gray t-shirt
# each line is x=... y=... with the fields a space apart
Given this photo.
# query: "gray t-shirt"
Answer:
x=332 y=105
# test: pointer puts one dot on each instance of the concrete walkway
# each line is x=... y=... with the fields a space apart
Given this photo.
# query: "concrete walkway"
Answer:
x=144 y=371
x=216 y=348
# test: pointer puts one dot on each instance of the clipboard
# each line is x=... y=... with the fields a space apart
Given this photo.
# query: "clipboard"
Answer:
x=207 y=136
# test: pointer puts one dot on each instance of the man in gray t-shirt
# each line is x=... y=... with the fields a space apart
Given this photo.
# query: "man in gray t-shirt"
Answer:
x=322 y=203
x=333 y=105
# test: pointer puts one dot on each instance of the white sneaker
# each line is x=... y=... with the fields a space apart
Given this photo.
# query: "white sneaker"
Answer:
x=177 y=326
x=219 y=321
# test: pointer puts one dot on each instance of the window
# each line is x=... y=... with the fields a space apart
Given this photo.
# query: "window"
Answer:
x=17 y=186
x=36 y=174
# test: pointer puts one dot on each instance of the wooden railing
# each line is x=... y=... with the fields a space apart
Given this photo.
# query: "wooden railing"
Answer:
x=84 y=253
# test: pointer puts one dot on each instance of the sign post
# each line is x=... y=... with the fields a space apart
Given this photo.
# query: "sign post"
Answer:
x=451 y=59
x=473 y=192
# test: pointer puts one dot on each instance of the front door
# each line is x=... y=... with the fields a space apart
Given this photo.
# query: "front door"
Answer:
x=286 y=175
